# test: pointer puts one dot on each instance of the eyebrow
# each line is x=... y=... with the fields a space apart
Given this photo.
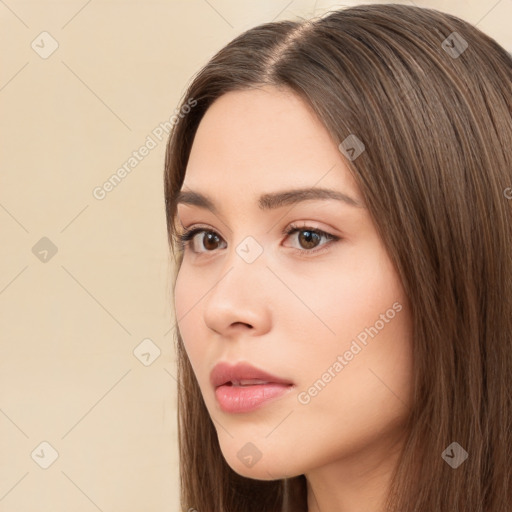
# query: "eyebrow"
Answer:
x=272 y=200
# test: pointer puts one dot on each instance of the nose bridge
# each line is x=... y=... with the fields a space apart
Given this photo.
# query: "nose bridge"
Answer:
x=249 y=250
x=243 y=267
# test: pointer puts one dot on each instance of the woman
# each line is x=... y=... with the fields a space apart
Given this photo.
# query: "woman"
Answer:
x=338 y=194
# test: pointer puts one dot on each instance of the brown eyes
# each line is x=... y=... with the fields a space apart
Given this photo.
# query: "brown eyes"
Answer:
x=309 y=239
x=210 y=240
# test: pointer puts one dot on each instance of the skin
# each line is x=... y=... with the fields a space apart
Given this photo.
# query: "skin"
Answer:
x=289 y=314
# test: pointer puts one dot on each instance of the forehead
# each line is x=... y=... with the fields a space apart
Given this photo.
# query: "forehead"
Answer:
x=262 y=140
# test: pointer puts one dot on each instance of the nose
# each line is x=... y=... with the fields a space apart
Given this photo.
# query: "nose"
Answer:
x=240 y=299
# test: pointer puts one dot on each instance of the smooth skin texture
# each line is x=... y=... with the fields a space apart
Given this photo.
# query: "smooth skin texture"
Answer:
x=293 y=313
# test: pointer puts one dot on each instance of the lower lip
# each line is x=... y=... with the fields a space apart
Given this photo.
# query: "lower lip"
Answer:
x=235 y=399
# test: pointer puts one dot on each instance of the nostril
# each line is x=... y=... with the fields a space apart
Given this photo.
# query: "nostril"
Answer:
x=243 y=324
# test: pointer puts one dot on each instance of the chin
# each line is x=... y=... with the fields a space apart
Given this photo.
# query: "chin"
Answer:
x=249 y=462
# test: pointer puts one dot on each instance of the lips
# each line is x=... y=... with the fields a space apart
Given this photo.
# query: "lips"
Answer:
x=242 y=388
x=242 y=374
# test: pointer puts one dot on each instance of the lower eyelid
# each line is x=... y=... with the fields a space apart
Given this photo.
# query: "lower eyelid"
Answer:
x=303 y=253
x=316 y=251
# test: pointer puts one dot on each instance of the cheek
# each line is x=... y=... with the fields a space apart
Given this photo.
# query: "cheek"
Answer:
x=371 y=389
x=188 y=292
x=183 y=291
x=373 y=346
x=187 y=309
x=362 y=354
x=346 y=295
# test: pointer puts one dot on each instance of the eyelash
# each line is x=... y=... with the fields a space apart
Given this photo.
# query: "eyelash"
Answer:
x=188 y=234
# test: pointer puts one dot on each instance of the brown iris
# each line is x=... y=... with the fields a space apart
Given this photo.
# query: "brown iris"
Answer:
x=209 y=241
x=308 y=239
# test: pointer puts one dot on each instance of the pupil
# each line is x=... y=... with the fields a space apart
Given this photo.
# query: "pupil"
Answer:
x=309 y=237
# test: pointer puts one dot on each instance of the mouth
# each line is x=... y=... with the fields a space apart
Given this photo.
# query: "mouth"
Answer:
x=245 y=382
x=242 y=374
x=243 y=388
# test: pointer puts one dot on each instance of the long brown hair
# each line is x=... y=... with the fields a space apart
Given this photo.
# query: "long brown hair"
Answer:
x=430 y=96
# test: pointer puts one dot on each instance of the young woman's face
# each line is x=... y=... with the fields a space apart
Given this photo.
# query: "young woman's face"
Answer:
x=326 y=313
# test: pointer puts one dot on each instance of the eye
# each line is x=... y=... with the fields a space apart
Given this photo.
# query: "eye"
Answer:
x=209 y=240
x=309 y=239
x=202 y=240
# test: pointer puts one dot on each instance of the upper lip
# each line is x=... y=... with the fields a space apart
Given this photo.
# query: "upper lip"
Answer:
x=224 y=373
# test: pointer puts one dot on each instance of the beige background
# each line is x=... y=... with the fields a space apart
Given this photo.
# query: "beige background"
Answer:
x=70 y=321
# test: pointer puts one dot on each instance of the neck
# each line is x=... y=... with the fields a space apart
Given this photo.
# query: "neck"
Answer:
x=357 y=483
